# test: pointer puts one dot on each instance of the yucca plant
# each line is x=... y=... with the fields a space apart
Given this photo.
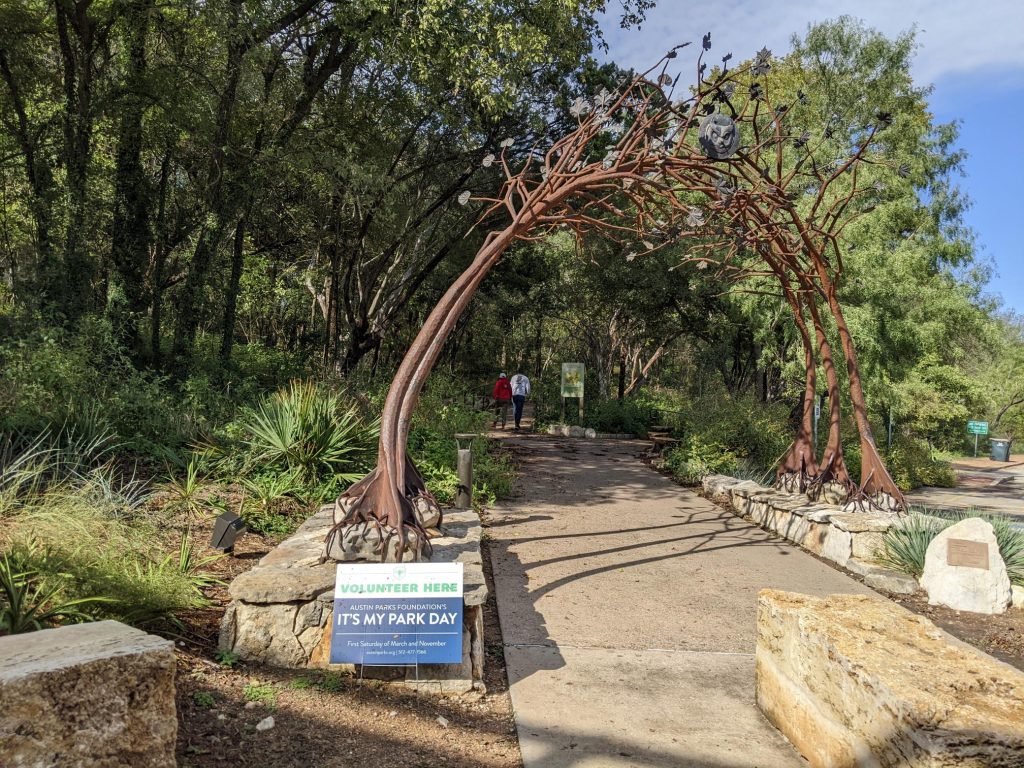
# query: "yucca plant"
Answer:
x=193 y=566
x=266 y=491
x=307 y=430
x=905 y=546
x=185 y=490
x=23 y=471
x=28 y=603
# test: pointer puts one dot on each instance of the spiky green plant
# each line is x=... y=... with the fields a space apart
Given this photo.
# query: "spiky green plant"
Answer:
x=185 y=490
x=28 y=602
x=306 y=429
x=905 y=546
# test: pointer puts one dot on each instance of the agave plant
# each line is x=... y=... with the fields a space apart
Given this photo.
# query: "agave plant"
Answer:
x=307 y=430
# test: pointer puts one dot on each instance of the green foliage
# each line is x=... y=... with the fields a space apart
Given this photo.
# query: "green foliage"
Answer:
x=203 y=699
x=912 y=463
x=307 y=432
x=81 y=538
x=228 y=659
x=264 y=694
x=185 y=490
x=740 y=426
x=439 y=416
x=28 y=602
x=81 y=383
x=905 y=545
x=690 y=462
x=620 y=416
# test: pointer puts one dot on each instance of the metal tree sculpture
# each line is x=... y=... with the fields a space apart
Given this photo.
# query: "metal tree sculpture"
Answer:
x=645 y=168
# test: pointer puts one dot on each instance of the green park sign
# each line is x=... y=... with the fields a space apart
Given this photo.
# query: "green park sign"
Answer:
x=977 y=427
x=572 y=379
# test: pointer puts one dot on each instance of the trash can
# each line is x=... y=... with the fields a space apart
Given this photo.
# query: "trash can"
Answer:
x=1000 y=449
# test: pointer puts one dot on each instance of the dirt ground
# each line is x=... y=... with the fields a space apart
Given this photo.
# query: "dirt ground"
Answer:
x=326 y=720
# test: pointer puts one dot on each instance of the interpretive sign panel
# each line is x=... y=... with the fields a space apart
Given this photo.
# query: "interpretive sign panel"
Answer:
x=977 y=427
x=967 y=553
x=397 y=613
x=572 y=379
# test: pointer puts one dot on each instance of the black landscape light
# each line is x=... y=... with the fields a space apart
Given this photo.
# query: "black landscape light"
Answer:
x=226 y=529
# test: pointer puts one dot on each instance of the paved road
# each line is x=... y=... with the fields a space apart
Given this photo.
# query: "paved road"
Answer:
x=628 y=610
x=991 y=486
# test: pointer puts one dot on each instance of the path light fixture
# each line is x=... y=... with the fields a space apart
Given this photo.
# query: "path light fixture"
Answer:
x=226 y=528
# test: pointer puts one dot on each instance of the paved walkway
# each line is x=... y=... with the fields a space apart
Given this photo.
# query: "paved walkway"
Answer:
x=628 y=610
x=991 y=486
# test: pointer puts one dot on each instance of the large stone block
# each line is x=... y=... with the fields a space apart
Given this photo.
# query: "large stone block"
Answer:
x=867 y=544
x=838 y=546
x=817 y=534
x=981 y=586
x=856 y=681
x=97 y=695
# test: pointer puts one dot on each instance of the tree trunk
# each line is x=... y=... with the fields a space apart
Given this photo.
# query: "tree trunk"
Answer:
x=130 y=235
x=231 y=296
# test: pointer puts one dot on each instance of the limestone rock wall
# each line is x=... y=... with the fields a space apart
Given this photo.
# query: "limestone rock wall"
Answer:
x=849 y=539
x=97 y=695
x=854 y=680
x=280 y=608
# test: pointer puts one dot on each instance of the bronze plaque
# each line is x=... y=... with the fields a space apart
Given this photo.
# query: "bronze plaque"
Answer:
x=967 y=554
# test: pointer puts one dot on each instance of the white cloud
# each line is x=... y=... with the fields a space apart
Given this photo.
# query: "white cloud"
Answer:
x=955 y=37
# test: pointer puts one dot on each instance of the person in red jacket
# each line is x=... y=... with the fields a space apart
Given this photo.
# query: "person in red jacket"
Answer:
x=502 y=395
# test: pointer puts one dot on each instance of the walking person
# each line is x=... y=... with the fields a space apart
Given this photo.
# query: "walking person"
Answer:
x=502 y=395
x=520 y=391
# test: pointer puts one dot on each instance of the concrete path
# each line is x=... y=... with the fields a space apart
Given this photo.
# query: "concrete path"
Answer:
x=990 y=486
x=628 y=610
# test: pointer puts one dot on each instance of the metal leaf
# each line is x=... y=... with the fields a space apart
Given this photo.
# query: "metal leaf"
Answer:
x=694 y=217
x=904 y=171
x=665 y=79
x=579 y=108
x=488 y=161
x=464 y=197
x=706 y=42
x=506 y=143
x=603 y=98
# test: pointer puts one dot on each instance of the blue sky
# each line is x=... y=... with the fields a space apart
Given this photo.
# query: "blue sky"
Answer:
x=972 y=53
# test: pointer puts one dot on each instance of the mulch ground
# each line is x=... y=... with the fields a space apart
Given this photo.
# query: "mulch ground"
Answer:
x=324 y=719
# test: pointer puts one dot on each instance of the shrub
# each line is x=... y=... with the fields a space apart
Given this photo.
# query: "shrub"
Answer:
x=79 y=548
x=307 y=431
x=27 y=603
x=626 y=415
x=440 y=416
x=912 y=463
x=691 y=461
x=904 y=546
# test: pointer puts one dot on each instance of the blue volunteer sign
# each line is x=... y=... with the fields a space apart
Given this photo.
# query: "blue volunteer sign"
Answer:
x=397 y=613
